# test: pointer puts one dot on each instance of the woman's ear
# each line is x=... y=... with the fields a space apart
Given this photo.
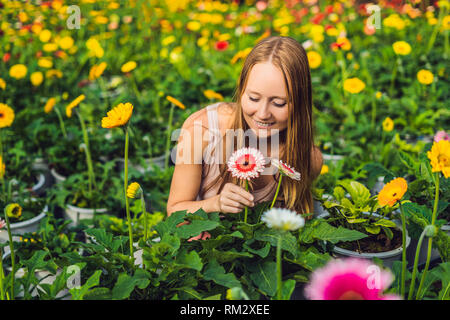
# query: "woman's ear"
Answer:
x=316 y=162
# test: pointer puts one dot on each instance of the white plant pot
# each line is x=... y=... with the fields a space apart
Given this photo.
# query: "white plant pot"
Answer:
x=39 y=164
x=20 y=228
x=334 y=158
x=76 y=214
x=39 y=274
x=388 y=257
x=58 y=178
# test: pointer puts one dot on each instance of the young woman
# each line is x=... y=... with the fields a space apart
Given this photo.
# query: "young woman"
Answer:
x=272 y=101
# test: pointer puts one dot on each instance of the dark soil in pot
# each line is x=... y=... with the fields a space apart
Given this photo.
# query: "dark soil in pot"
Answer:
x=374 y=243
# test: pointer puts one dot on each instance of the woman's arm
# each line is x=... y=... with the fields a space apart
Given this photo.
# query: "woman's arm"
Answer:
x=187 y=175
x=316 y=162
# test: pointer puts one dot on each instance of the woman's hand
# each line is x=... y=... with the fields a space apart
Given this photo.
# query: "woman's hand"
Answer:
x=233 y=198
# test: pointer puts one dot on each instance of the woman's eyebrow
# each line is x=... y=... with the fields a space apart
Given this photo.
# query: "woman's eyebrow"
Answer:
x=273 y=97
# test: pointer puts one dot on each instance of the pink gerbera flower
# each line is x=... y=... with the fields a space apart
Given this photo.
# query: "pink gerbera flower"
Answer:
x=2 y=224
x=286 y=169
x=350 y=279
x=246 y=163
x=441 y=135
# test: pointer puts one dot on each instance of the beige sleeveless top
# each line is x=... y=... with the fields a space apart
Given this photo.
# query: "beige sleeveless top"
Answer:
x=210 y=165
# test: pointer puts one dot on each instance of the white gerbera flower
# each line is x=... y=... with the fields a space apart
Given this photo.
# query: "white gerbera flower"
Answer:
x=283 y=219
x=286 y=169
x=246 y=163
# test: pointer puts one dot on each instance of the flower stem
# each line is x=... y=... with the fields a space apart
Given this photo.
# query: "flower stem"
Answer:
x=430 y=240
x=61 y=122
x=11 y=248
x=394 y=73
x=169 y=129
x=125 y=184
x=91 y=175
x=276 y=192
x=402 y=291
x=144 y=210
x=245 y=208
x=416 y=261
x=279 y=277
x=2 y=293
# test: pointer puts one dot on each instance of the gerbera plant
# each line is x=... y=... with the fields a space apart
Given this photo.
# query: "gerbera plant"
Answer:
x=389 y=195
x=134 y=191
x=349 y=279
x=120 y=116
x=70 y=108
x=246 y=164
x=440 y=163
x=282 y=220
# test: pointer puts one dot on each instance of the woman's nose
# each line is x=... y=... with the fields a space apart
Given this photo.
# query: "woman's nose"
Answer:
x=263 y=112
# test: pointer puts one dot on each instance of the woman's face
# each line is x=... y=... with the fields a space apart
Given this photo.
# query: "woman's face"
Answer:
x=264 y=101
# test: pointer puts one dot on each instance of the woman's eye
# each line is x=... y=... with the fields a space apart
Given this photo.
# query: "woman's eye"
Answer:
x=253 y=99
x=279 y=105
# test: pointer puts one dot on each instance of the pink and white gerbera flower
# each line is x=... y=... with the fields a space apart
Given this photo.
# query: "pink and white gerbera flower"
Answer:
x=246 y=163
x=286 y=169
x=350 y=279
x=2 y=224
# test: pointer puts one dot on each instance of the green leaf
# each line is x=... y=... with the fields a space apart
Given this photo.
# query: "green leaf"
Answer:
x=195 y=228
x=78 y=294
x=220 y=240
x=169 y=225
x=189 y=260
x=287 y=289
x=288 y=242
x=385 y=223
x=264 y=277
x=407 y=160
x=262 y=252
x=326 y=232
x=125 y=284
x=373 y=229
x=216 y=273
x=356 y=220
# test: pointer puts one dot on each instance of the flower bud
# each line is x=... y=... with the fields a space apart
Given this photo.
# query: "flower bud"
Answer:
x=430 y=231
x=13 y=210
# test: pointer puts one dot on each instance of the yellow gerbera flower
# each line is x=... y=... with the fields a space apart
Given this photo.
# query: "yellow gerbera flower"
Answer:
x=73 y=104
x=314 y=59
x=13 y=210
x=129 y=66
x=133 y=189
x=36 y=78
x=425 y=77
x=118 y=116
x=388 y=124
x=97 y=70
x=210 y=94
x=325 y=169
x=2 y=84
x=49 y=105
x=392 y=192
x=354 y=85
x=6 y=115
x=440 y=157
x=176 y=102
x=401 y=48
x=18 y=71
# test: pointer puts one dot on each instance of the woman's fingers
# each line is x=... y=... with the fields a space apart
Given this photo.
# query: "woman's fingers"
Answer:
x=241 y=199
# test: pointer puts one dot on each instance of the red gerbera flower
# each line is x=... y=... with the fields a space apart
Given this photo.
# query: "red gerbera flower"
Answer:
x=221 y=45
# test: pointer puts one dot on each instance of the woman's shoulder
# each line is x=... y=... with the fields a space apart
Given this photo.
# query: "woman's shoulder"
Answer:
x=225 y=111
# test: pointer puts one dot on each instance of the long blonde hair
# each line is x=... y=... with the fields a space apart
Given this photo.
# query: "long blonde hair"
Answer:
x=289 y=56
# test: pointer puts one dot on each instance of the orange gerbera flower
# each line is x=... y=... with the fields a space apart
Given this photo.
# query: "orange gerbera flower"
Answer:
x=392 y=192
